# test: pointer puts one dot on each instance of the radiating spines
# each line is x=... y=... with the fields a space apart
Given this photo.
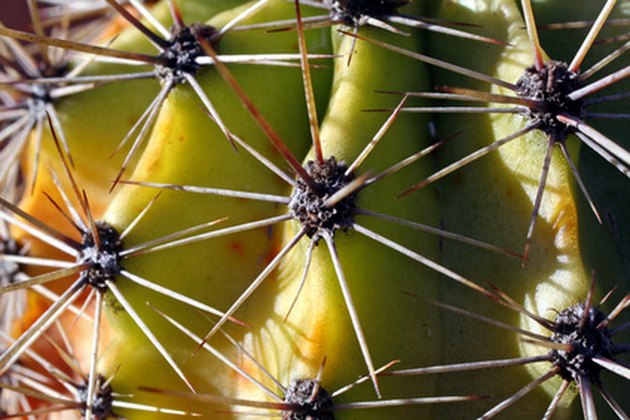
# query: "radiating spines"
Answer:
x=213 y=165
x=257 y=391
x=326 y=185
x=181 y=56
x=554 y=106
x=84 y=115
x=324 y=242
x=493 y=201
x=133 y=123
x=33 y=79
x=606 y=110
x=400 y=17
x=52 y=380
x=47 y=79
x=92 y=281
x=214 y=269
x=326 y=180
x=569 y=350
x=581 y=336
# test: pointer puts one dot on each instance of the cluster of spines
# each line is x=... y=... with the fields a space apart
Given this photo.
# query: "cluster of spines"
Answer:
x=94 y=259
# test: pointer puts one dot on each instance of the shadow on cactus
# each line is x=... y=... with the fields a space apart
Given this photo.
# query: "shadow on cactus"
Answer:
x=302 y=398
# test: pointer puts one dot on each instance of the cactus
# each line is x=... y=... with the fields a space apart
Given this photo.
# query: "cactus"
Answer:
x=230 y=209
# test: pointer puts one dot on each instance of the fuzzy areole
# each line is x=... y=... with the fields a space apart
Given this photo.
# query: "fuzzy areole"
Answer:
x=102 y=406
x=572 y=326
x=311 y=400
x=551 y=87
x=183 y=50
x=102 y=255
x=354 y=12
x=309 y=206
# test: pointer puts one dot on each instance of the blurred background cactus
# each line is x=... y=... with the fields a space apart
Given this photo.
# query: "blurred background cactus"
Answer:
x=314 y=209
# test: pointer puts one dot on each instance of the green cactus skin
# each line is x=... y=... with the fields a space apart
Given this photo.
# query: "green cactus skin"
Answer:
x=375 y=274
x=497 y=193
x=490 y=200
x=185 y=136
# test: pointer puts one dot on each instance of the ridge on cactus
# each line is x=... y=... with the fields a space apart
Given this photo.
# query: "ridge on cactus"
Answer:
x=292 y=401
x=499 y=193
x=550 y=95
x=321 y=202
x=99 y=258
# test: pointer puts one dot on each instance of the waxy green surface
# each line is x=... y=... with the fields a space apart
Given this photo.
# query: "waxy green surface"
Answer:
x=187 y=148
x=491 y=200
x=396 y=326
